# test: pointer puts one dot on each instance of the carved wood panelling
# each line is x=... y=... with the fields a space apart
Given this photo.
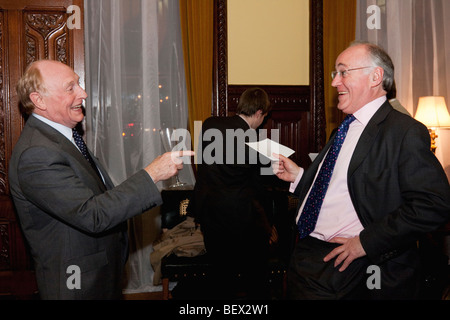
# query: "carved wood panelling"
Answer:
x=2 y=108
x=317 y=76
x=289 y=128
x=5 y=262
x=220 y=64
x=29 y=30
x=12 y=248
x=46 y=35
x=289 y=115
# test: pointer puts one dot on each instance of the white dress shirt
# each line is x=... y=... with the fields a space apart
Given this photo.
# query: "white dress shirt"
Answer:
x=337 y=217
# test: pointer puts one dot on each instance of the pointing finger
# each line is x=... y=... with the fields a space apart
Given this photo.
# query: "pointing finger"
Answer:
x=187 y=153
x=177 y=155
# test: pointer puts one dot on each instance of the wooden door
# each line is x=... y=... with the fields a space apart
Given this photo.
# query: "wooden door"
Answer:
x=29 y=30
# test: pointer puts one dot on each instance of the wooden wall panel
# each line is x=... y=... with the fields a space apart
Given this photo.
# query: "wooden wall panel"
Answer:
x=46 y=35
x=29 y=30
x=290 y=115
x=3 y=109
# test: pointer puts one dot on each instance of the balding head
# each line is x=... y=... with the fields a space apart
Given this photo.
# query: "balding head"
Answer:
x=33 y=81
x=51 y=89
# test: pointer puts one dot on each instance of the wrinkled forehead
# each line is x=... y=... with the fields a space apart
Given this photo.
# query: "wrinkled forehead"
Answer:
x=56 y=74
x=353 y=57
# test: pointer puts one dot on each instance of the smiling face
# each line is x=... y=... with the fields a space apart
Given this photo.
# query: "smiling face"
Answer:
x=63 y=97
x=357 y=87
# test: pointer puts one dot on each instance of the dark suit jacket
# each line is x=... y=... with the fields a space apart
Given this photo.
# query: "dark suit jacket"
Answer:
x=69 y=217
x=398 y=188
x=228 y=196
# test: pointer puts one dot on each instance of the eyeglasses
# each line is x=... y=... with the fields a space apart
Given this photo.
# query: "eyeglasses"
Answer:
x=344 y=73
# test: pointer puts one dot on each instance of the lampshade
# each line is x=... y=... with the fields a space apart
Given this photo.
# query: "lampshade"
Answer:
x=432 y=112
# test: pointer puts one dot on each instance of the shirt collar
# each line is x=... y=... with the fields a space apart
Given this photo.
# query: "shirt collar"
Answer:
x=364 y=114
x=65 y=131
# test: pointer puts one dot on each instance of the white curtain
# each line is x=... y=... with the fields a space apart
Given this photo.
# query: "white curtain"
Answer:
x=416 y=34
x=136 y=86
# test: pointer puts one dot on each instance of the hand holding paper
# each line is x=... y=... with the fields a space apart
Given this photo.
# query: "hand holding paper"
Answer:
x=267 y=147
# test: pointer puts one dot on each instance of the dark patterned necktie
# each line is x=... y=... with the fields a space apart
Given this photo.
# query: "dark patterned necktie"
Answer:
x=83 y=148
x=308 y=218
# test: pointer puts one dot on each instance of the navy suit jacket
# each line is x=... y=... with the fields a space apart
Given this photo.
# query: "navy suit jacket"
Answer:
x=70 y=218
x=398 y=188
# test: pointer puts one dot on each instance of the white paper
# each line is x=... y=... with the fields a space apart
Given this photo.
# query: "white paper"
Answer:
x=267 y=147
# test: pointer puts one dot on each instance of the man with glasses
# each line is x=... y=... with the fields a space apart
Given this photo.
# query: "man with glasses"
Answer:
x=369 y=195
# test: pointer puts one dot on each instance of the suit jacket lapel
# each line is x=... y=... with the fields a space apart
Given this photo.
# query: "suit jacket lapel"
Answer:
x=65 y=145
x=363 y=147
x=70 y=148
x=368 y=137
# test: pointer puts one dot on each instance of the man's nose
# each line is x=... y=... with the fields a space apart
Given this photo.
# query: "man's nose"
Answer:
x=336 y=81
x=82 y=93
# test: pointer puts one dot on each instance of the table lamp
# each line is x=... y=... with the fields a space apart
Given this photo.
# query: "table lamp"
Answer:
x=432 y=112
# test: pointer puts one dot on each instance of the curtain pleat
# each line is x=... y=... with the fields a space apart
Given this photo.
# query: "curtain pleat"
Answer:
x=136 y=86
x=197 y=19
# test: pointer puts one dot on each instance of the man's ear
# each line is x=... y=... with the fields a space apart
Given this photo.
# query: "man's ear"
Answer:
x=377 y=76
x=36 y=98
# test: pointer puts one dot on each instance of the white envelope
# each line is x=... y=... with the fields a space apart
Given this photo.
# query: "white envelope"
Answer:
x=268 y=146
